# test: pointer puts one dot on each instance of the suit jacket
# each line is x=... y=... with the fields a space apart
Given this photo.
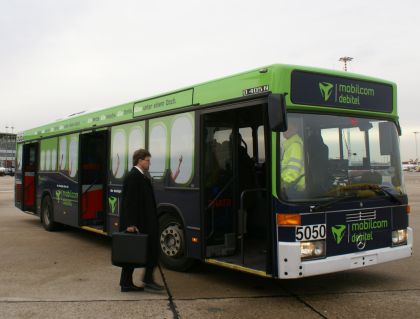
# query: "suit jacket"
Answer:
x=138 y=208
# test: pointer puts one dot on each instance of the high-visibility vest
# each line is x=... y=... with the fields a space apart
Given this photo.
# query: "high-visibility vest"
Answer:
x=292 y=163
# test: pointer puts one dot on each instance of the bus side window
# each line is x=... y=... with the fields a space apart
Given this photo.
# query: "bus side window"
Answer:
x=158 y=136
x=245 y=136
x=260 y=164
x=261 y=145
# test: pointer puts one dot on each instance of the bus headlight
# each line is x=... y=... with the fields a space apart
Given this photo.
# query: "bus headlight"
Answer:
x=312 y=249
x=399 y=237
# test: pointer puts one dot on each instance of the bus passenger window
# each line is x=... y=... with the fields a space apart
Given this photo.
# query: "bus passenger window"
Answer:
x=157 y=147
x=182 y=149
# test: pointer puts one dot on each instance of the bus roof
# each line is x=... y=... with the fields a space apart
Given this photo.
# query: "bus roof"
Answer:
x=307 y=88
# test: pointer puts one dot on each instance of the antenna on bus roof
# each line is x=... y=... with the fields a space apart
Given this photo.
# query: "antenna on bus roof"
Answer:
x=345 y=59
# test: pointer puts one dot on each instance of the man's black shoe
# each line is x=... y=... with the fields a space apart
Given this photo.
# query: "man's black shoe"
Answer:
x=153 y=286
x=131 y=288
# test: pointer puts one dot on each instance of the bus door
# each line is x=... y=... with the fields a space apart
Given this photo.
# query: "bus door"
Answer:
x=19 y=177
x=29 y=176
x=66 y=193
x=93 y=177
x=234 y=184
x=218 y=185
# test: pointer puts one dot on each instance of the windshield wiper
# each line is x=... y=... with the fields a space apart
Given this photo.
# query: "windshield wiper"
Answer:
x=327 y=204
x=374 y=187
x=385 y=190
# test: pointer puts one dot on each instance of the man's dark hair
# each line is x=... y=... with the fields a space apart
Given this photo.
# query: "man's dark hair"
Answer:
x=140 y=154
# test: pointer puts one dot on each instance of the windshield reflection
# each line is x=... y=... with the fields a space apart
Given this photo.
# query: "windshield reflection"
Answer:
x=327 y=157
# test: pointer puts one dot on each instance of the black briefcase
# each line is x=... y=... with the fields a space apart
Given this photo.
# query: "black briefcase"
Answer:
x=129 y=249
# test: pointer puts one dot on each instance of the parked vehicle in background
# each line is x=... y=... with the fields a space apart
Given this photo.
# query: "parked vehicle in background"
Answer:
x=409 y=166
x=2 y=171
x=10 y=171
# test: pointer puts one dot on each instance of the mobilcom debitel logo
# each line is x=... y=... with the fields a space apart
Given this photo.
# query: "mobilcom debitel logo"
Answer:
x=58 y=194
x=338 y=232
x=112 y=203
x=345 y=93
x=326 y=89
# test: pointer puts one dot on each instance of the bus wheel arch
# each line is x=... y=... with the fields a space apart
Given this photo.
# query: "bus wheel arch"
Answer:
x=47 y=213
x=172 y=244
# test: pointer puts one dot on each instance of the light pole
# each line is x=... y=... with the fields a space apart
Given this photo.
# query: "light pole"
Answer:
x=345 y=59
x=417 y=154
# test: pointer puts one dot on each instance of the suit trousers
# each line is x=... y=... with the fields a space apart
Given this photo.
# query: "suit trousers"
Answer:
x=126 y=279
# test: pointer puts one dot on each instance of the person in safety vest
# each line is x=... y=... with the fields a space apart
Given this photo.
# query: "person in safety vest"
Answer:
x=292 y=162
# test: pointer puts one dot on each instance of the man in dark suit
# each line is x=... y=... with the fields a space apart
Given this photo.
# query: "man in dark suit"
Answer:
x=139 y=213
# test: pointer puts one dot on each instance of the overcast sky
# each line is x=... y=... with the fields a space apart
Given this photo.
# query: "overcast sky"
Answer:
x=61 y=57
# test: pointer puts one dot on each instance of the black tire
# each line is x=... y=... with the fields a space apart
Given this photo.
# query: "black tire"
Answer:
x=172 y=244
x=47 y=214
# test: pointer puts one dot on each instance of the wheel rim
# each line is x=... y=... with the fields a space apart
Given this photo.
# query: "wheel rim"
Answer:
x=171 y=240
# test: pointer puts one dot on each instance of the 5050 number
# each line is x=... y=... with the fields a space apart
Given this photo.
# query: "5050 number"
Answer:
x=311 y=232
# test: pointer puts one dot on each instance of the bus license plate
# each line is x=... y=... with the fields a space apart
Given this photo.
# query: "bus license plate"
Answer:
x=311 y=232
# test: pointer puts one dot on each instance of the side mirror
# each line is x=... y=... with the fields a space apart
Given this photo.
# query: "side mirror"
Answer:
x=365 y=127
x=386 y=137
x=277 y=113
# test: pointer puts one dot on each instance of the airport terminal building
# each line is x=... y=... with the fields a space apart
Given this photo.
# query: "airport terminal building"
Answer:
x=7 y=150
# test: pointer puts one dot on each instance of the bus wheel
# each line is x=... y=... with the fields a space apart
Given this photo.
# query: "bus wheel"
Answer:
x=47 y=211
x=172 y=244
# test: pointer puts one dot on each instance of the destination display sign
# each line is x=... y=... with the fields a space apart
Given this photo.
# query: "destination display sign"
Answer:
x=163 y=103
x=325 y=90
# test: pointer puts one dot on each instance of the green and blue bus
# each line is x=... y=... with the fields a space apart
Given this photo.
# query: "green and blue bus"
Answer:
x=217 y=156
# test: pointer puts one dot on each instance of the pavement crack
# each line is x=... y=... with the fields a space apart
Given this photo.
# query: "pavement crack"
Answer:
x=233 y=297
x=298 y=298
x=172 y=305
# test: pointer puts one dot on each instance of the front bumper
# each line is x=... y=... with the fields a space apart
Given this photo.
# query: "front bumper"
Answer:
x=291 y=266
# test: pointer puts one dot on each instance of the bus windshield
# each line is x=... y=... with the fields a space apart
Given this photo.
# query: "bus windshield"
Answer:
x=325 y=157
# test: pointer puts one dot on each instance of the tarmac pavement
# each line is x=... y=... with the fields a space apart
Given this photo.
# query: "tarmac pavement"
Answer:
x=68 y=274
